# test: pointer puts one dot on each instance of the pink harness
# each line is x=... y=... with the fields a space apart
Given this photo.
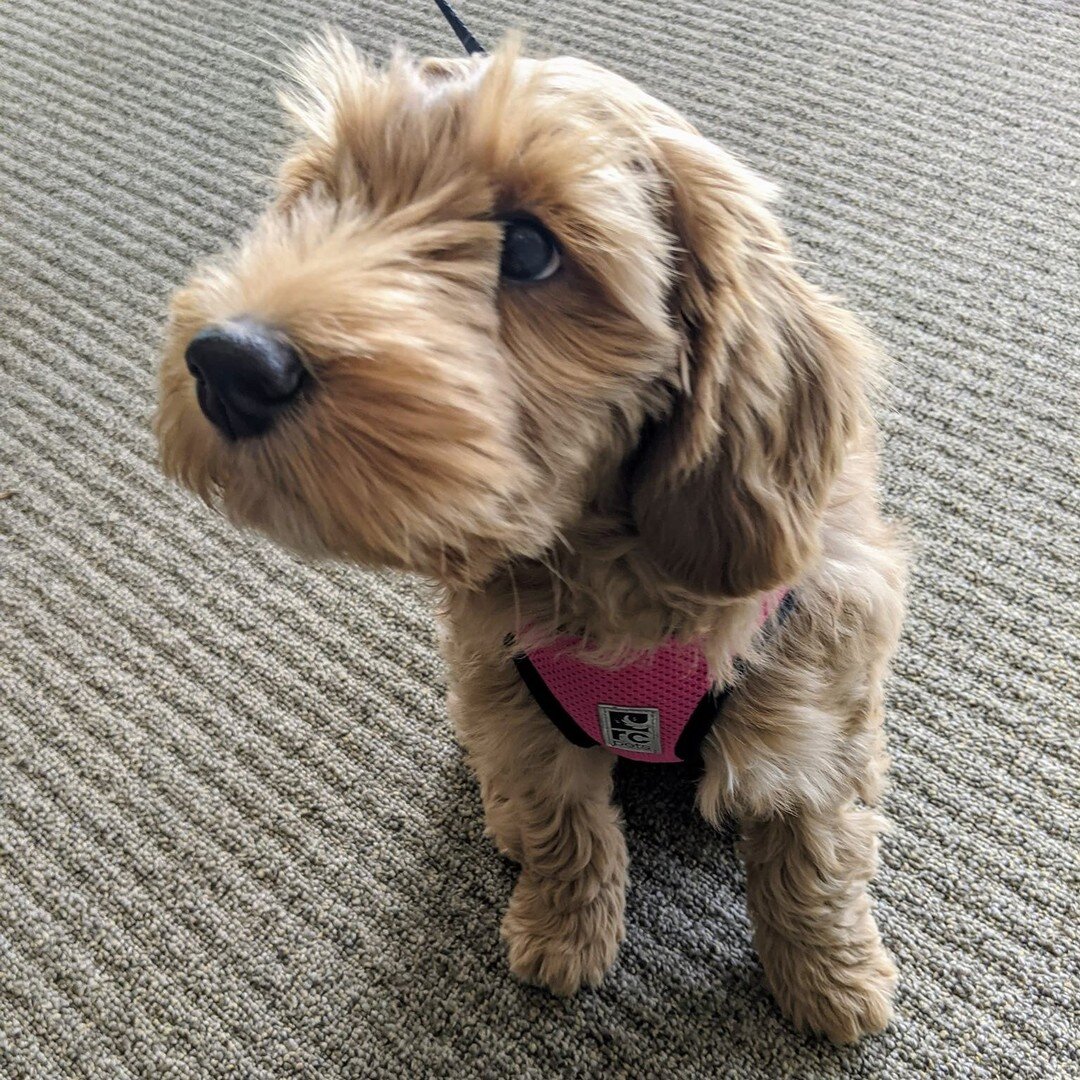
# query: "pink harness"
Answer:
x=656 y=708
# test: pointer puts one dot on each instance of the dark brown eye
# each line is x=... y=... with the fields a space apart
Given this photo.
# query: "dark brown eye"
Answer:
x=529 y=251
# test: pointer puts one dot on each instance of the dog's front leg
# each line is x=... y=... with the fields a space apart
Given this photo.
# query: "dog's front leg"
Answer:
x=806 y=877
x=792 y=758
x=548 y=806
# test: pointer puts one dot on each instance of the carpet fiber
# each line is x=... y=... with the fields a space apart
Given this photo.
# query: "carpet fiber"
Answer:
x=236 y=836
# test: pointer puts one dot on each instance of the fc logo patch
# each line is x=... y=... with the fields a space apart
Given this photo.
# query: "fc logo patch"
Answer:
x=637 y=730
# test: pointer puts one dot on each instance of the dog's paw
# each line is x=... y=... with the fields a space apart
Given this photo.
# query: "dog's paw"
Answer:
x=826 y=996
x=558 y=948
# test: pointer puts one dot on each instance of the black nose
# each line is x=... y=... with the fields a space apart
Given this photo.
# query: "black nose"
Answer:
x=245 y=376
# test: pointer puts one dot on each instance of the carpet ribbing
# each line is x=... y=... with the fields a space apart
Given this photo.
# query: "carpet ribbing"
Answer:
x=236 y=837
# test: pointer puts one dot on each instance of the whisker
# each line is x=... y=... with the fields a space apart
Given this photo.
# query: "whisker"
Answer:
x=270 y=65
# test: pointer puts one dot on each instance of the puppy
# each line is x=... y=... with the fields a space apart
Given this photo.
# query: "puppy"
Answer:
x=517 y=326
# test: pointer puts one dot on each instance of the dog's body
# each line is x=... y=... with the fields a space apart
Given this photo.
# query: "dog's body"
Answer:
x=631 y=448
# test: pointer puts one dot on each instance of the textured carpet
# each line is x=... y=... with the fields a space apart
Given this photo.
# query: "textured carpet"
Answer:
x=236 y=836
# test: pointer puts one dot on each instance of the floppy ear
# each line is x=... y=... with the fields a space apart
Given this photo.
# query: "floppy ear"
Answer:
x=729 y=491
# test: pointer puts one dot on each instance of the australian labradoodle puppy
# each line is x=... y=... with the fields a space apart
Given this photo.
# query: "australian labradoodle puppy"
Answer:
x=518 y=326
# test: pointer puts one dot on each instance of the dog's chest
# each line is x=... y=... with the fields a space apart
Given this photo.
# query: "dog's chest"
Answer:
x=656 y=708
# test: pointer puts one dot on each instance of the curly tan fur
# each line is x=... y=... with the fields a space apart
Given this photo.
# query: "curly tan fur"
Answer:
x=634 y=449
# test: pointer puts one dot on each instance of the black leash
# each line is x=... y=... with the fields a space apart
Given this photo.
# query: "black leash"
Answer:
x=472 y=46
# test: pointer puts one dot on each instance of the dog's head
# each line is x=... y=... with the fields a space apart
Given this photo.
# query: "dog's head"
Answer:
x=491 y=293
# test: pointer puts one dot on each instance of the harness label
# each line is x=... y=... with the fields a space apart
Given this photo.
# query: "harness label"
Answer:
x=637 y=730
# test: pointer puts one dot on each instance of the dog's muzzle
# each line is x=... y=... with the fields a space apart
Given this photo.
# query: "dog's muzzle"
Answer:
x=246 y=376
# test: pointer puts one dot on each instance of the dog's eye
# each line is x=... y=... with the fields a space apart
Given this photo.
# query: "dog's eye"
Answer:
x=529 y=251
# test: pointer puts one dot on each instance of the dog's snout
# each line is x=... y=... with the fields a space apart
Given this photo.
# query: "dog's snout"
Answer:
x=246 y=374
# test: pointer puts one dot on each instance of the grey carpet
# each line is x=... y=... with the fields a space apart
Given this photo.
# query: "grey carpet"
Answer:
x=236 y=837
